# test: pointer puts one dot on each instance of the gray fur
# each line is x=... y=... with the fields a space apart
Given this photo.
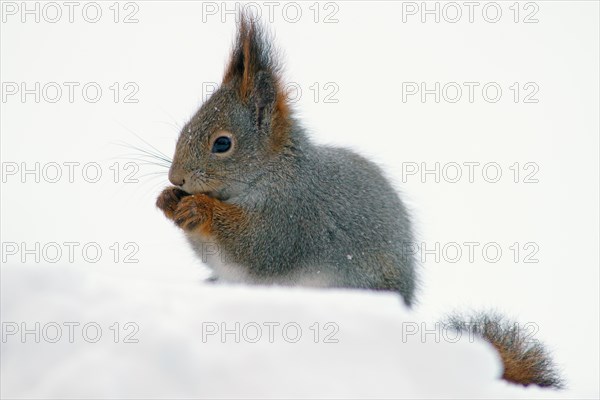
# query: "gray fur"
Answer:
x=317 y=215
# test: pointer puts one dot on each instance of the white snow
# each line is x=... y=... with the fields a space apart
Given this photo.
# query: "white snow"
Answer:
x=200 y=340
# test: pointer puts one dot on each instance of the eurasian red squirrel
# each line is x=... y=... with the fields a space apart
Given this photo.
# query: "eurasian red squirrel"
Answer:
x=283 y=210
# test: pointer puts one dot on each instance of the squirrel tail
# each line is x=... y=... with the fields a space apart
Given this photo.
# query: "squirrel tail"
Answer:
x=526 y=361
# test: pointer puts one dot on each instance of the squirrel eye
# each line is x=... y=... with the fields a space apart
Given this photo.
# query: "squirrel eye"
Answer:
x=222 y=144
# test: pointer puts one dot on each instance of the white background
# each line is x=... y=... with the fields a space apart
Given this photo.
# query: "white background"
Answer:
x=373 y=48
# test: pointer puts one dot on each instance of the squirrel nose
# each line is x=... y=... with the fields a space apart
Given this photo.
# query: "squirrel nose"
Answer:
x=176 y=177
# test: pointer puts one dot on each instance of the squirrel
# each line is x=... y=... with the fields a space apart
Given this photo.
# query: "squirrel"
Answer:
x=260 y=203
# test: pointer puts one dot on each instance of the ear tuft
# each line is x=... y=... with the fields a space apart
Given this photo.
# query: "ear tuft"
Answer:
x=252 y=53
x=254 y=73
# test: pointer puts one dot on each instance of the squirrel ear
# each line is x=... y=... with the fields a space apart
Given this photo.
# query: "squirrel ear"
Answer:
x=264 y=95
x=251 y=54
x=253 y=71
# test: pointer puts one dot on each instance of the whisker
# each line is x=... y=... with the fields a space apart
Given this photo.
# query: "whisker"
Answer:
x=142 y=161
x=145 y=152
x=170 y=124
x=175 y=122
x=146 y=142
x=153 y=174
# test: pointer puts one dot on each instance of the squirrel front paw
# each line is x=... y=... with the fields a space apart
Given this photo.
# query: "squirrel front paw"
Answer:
x=193 y=212
x=168 y=200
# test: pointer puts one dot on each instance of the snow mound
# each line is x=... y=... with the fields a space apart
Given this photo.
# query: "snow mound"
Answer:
x=75 y=333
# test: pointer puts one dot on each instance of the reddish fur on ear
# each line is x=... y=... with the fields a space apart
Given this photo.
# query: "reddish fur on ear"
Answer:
x=247 y=78
x=252 y=54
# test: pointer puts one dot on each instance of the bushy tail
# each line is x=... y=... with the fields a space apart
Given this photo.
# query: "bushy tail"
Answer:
x=526 y=361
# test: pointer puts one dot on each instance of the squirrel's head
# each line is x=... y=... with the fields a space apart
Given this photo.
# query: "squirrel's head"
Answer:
x=241 y=128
